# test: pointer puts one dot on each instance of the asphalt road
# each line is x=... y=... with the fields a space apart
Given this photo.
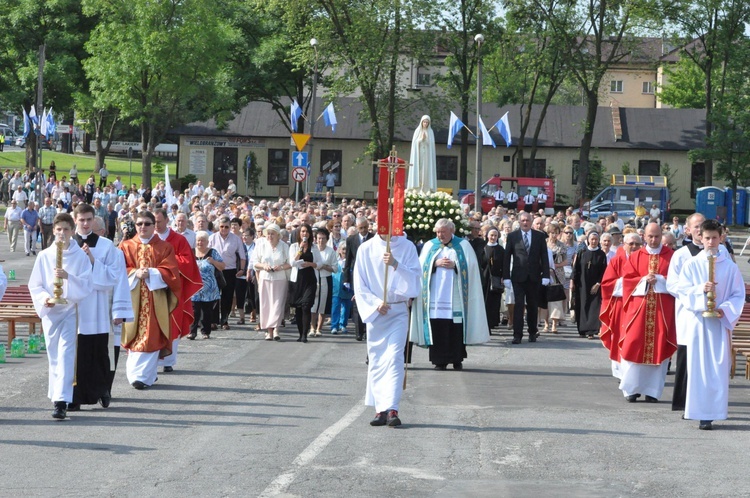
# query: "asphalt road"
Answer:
x=242 y=416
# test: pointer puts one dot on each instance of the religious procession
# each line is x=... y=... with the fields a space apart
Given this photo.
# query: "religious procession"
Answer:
x=133 y=271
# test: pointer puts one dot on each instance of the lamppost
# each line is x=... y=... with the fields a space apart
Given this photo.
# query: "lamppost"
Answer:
x=478 y=39
x=313 y=117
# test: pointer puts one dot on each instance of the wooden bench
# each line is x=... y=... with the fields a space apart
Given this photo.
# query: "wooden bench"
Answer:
x=17 y=307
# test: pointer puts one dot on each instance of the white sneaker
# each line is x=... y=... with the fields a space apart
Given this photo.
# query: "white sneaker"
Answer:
x=334 y=331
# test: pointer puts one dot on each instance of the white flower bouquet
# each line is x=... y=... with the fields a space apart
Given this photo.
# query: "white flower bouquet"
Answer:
x=423 y=209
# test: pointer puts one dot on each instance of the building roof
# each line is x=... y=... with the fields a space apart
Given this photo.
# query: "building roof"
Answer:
x=656 y=129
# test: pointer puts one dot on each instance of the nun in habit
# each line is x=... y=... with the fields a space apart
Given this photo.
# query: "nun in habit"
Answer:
x=588 y=271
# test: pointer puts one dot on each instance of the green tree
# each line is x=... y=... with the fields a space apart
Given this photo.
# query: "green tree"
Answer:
x=28 y=25
x=170 y=67
x=685 y=87
x=102 y=123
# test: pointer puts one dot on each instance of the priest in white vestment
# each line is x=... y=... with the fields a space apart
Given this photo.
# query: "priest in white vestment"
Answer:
x=387 y=322
x=709 y=339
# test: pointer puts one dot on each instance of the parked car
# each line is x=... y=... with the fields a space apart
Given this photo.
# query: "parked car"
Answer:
x=625 y=210
x=21 y=142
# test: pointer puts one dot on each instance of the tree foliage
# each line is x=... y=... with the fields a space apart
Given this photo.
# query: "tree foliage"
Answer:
x=685 y=87
x=170 y=67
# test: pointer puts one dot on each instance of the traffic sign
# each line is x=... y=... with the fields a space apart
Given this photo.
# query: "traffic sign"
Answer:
x=64 y=128
x=299 y=174
x=300 y=139
x=299 y=159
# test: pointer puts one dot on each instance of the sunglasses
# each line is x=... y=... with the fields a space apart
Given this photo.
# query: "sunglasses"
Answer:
x=568 y=233
x=143 y=224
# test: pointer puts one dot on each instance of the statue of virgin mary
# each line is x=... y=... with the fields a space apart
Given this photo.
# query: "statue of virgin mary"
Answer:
x=423 y=170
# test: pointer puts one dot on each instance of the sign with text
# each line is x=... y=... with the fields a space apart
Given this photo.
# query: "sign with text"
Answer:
x=198 y=159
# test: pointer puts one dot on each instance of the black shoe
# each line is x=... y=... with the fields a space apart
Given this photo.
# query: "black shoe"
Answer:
x=458 y=366
x=516 y=341
x=192 y=335
x=651 y=399
x=360 y=337
x=533 y=338
x=380 y=419
x=61 y=410
x=299 y=340
x=74 y=407
x=393 y=420
x=168 y=369
x=139 y=385
x=304 y=340
x=705 y=425
x=632 y=398
x=33 y=252
x=441 y=367
x=105 y=400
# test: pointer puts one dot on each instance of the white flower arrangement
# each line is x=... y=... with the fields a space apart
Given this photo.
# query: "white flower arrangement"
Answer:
x=422 y=210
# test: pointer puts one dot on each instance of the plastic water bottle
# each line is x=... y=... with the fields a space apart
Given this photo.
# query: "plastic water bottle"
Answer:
x=11 y=274
x=2 y=353
x=17 y=348
x=33 y=344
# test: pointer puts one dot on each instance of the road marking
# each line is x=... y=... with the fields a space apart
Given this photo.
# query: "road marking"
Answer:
x=282 y=482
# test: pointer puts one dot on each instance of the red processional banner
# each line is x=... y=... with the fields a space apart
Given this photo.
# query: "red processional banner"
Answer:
x=384 y=198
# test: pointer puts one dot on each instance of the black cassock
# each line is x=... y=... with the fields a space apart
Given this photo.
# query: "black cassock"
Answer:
x=588 y=270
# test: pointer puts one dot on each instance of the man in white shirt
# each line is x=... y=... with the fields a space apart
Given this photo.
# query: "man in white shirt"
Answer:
x=499 y=196
x=528 y=200
x=181 y=227
x=512 y=199
x=13 y=223
x=541 y=200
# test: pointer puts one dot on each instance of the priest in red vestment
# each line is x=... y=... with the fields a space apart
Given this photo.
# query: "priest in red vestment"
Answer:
x=154 y=279
x=611 y=310
x=649 y=338
x=190 y=282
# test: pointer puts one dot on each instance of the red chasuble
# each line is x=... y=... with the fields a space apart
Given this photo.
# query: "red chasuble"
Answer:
x=611 y=309
x=648 y=321
x=150 y=331
x=190 y=281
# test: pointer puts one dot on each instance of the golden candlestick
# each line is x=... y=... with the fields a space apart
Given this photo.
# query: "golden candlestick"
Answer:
x=711 y=296
x=58 y=282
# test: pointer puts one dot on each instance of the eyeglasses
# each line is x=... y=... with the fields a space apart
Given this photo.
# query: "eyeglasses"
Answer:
x=568 y=233
x=336 y=226
x=143 y=224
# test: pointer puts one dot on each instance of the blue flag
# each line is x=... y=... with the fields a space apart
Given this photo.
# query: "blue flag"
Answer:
x=294 y=114
x=455 y=125
x=503 y=126
x=26 y=123
x=486 y=138
x=329 y=116
x=33 y=116
x=51 y=125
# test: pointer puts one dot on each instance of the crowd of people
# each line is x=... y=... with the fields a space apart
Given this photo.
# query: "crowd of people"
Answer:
x=207 y=259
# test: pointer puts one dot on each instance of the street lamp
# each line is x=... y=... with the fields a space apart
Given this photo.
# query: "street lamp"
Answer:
x=313 y=117
x=478 y=39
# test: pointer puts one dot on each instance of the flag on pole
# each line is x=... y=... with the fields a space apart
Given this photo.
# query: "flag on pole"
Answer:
x=503 y=126
x=486 y=138
x=168 y=192
x=26 y=123
x=329 y=116
x=43 y=123
x=51 y=125
x=294 y=114
x=455 y=125
x=33 y=116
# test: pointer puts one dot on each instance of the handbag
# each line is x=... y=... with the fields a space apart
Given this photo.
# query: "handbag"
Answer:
x=221 y=282
x=496 y=284
x=555 y=292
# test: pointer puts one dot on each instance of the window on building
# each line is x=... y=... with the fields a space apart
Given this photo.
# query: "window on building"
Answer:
x=447 y=167
x=648 y=87
x=278 y=166
x=423 y=79
x=697 y=178
x=649 y=168
x=615 y=86
x=593 y=164
x=330 y=162
x=536 y=170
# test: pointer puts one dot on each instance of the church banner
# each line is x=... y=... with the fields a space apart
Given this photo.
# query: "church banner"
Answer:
x=397 y=197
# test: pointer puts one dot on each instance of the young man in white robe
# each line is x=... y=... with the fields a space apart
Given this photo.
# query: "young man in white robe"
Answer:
x=709 y=338
x=109 y=305
x=59 y=320
x=387 y=322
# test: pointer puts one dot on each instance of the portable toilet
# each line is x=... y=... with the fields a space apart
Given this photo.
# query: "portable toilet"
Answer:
x=708 y=200
x=739 y=199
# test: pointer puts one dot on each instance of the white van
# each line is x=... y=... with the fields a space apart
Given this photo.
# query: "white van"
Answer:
x=10 y=135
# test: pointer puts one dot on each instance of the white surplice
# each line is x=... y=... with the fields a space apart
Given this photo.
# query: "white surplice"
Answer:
x=709 y=339
x=59 y=321
x=386 y=334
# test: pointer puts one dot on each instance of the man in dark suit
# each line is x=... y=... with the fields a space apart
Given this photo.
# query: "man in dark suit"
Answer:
x=527 y=251
x=352 y=246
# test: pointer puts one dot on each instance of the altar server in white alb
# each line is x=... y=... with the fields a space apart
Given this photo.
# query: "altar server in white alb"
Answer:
x=709 y=355
x=387 y=322
x=108 y=305
x=59 y=320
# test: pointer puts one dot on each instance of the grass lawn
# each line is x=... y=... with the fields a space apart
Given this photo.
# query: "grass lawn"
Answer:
x=85 y=164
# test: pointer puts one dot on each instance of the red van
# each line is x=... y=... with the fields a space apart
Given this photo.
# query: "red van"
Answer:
x=522 y=186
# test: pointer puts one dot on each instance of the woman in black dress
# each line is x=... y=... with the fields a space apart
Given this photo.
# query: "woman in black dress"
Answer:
x=495 y=254
x=588 y=270
x=304 y=282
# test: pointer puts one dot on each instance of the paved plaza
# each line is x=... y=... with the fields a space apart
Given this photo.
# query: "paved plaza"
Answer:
x=245 y=417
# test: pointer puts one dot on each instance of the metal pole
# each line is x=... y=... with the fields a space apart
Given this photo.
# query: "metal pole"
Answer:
x=313 y=117
x=478 y=180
